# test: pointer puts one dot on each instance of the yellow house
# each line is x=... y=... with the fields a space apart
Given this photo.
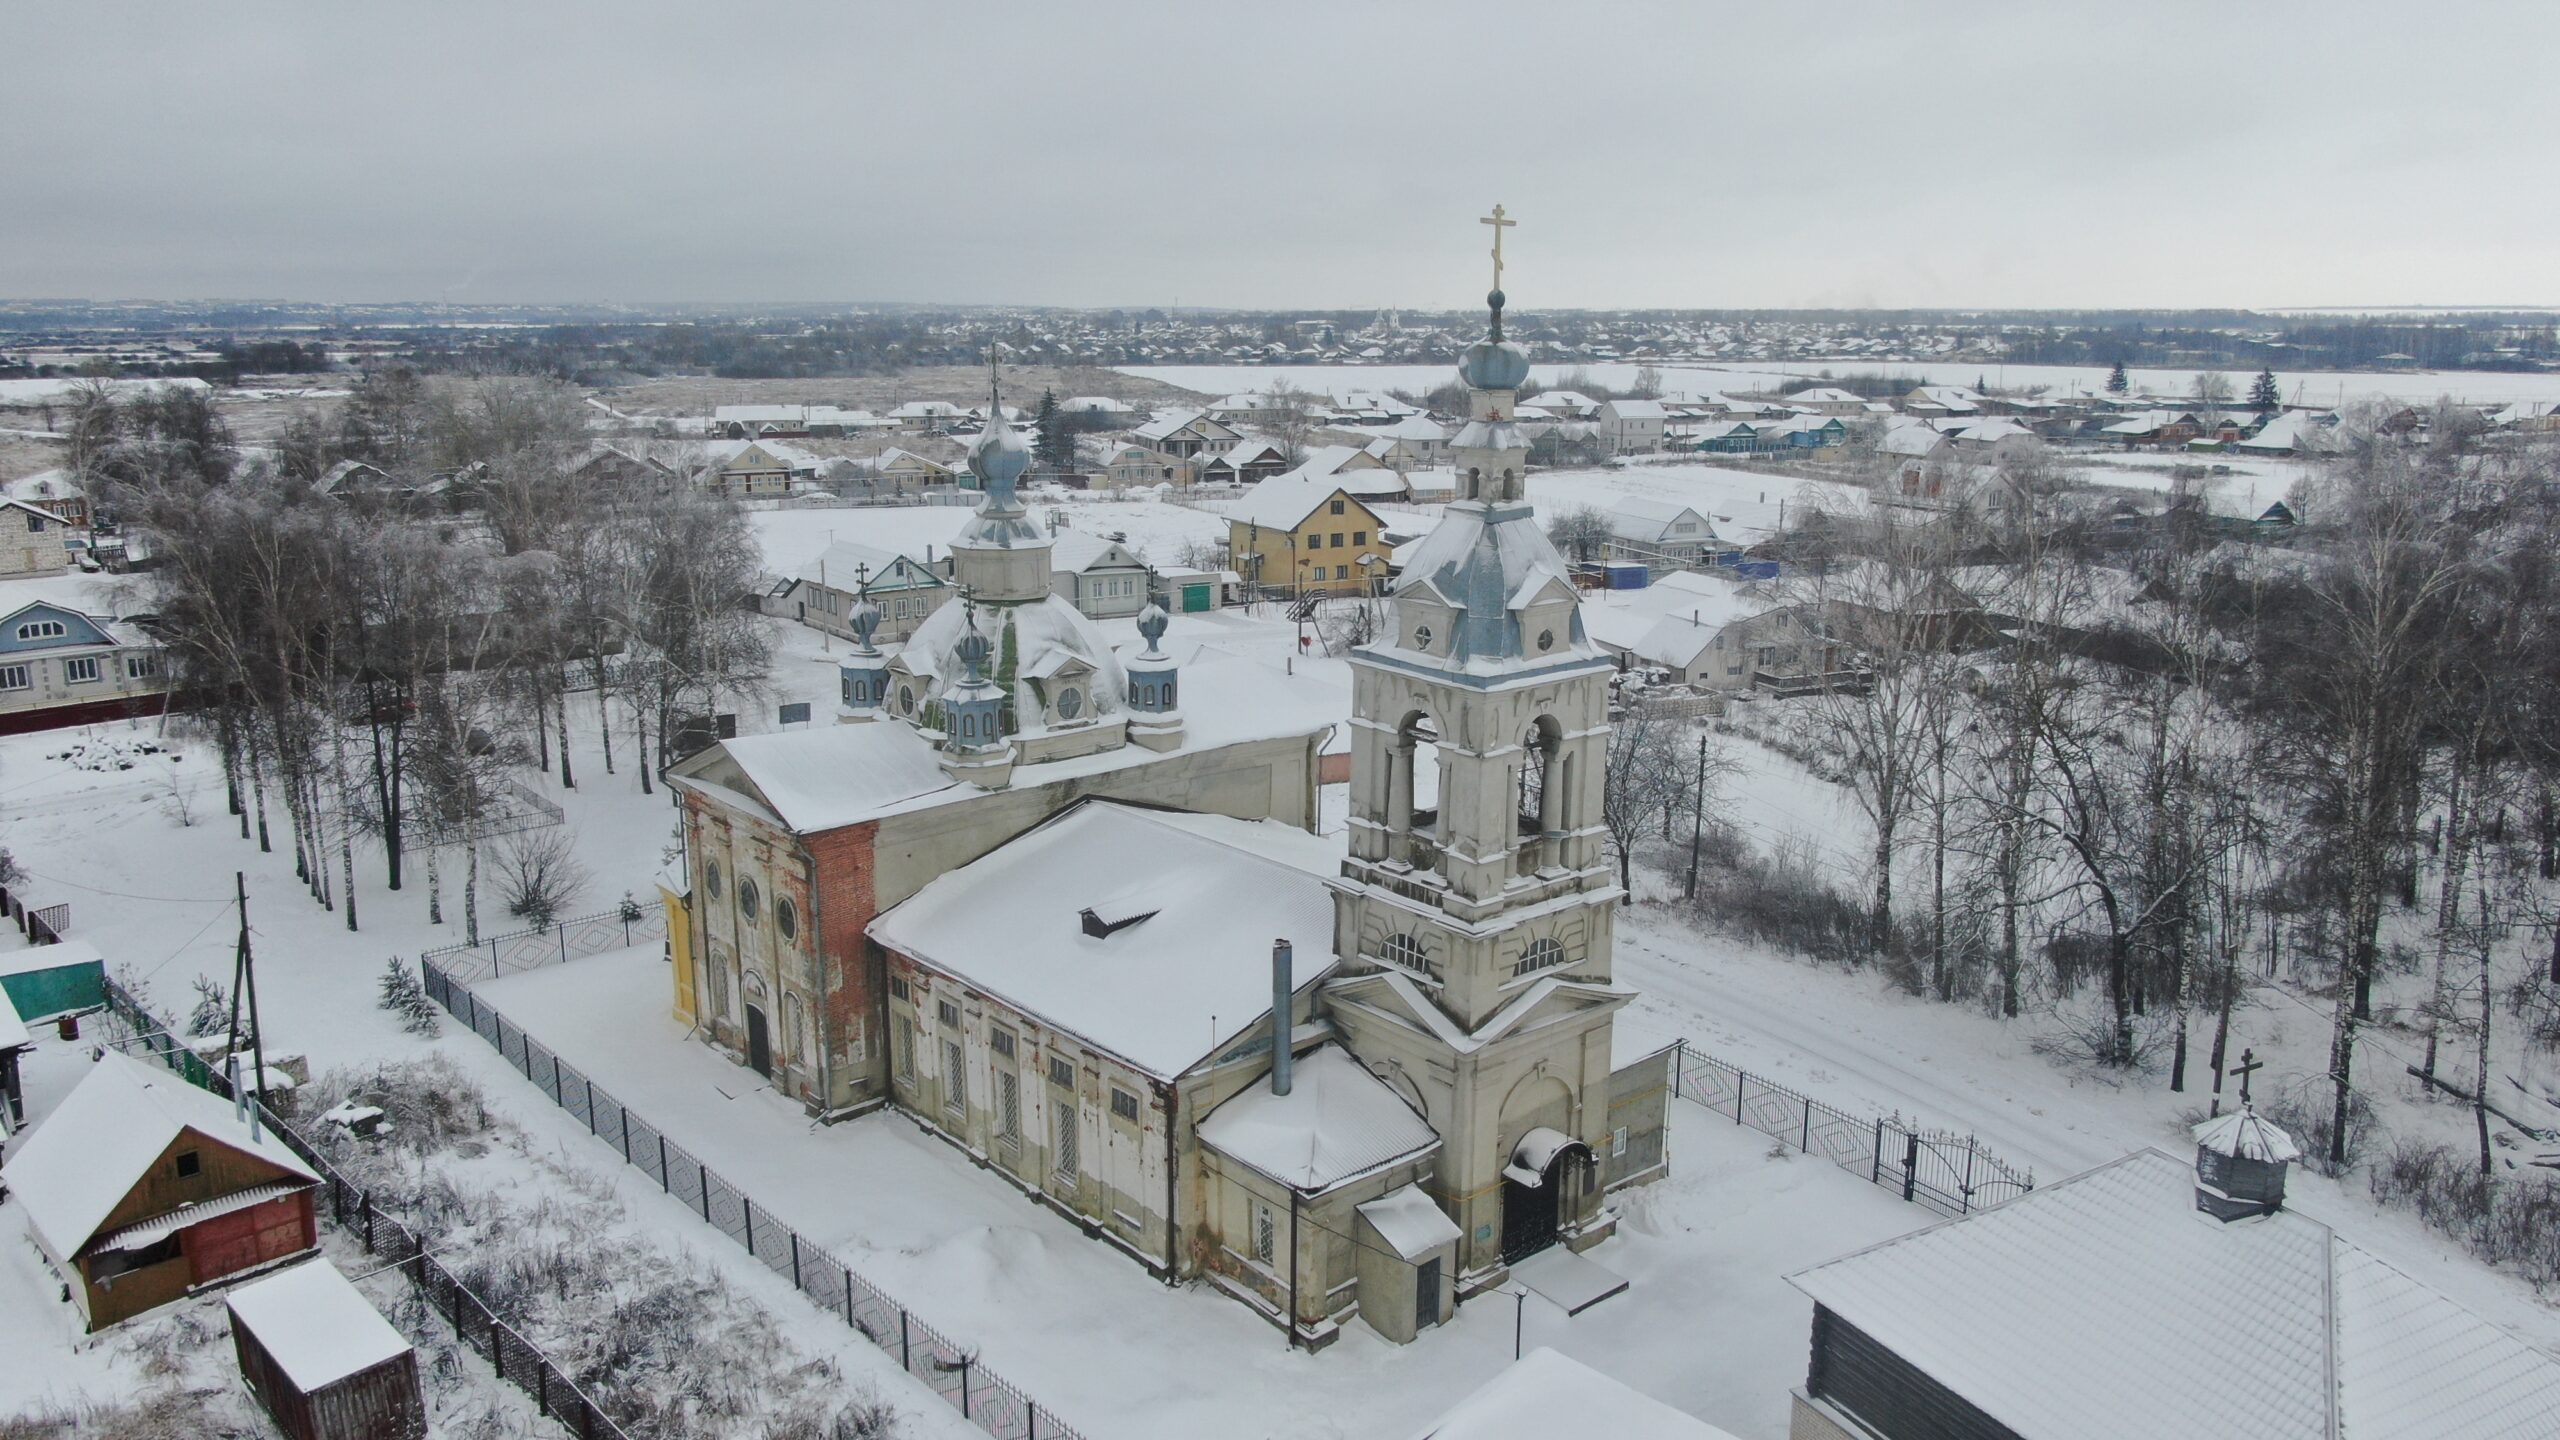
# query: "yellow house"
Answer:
x=1308 y=535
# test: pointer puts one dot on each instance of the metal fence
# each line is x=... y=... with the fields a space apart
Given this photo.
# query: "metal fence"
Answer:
x=43 y=924
x=1947 y=1172
x=518 y=1361
x=495 y=955
x=993 y=1403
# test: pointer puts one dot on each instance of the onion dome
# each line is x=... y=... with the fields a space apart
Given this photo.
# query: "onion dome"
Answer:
x=1152 y=622
x=999 y=457
x=864 y=618
x=1493 y=363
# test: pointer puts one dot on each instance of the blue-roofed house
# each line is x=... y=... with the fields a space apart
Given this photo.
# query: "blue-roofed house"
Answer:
x=60 y=666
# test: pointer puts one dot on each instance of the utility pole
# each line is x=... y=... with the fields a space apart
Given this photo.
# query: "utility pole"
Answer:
x=244 y=984
x=1697 y=817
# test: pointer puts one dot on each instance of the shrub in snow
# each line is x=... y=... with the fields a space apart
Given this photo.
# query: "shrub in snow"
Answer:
x=213 y=1007
x=2307 y=1108
x=403 y=996
x=539 y=874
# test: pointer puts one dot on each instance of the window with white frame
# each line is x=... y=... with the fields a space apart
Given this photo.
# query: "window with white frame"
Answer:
x=1544 y=953
x=13 y=677
x=41 y=630
x=141 y=667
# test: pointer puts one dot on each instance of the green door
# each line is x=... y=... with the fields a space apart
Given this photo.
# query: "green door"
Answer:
x=1195 y=597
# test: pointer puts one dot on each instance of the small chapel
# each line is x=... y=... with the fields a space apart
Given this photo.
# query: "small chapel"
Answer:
x=1058 y=896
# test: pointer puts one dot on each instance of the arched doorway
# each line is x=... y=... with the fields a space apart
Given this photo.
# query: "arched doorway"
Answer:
x=759 y=1043
x=1533 y=1190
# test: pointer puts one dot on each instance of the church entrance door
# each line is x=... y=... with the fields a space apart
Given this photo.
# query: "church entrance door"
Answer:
x=1426 y=1294
x=1529 y=1215
x=759 y=1044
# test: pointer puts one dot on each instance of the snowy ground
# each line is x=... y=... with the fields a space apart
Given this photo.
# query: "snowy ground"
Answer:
x=1709 y=1325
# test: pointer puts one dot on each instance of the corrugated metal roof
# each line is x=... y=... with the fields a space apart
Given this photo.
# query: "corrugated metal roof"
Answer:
x=147 y=1233
x=2107 y=1308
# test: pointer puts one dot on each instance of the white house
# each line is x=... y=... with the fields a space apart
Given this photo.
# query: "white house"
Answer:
x=1634 y=427
x=60 y=666
x=1098 y=574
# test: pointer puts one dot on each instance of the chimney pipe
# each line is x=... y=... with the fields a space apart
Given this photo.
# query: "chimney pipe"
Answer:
x=1281 y=994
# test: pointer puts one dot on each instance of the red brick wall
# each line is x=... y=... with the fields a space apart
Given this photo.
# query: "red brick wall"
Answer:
x=847 y=899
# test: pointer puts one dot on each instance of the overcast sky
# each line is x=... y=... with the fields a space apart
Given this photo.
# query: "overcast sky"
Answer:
x=1286 y=154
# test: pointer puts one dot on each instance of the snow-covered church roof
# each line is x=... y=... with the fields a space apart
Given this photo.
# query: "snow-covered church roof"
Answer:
x=1337 y=1123
x=1192 y=903
x=1544 y=1394
x=2107 y=1308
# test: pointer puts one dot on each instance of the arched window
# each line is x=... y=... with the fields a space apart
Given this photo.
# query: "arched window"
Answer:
x=747 y=899
x=1541 y=793
x=1544 y=953
x=1406 y=953
x=711 y=878
x=719 y=987
x=786 y=917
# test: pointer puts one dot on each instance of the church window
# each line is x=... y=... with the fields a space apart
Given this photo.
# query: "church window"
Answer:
x=1066 y=1156
x=1405 y=952
x=955 y=1079
x=748 y=898
x=1001 y=1041
x=786 y=917
x=1124 y=1105
x=1266 y=1233
x=948 y=1012
x=1009 y=1106
x=711 y=878
x=900 y=989
x=1062 y=1071
x=1070 y=703
x=719 y=988
x=1544 y=953
x=904 y=1042
x=907 y=698
x=1546 y=639
x=795 y=1024
x=1421 y=637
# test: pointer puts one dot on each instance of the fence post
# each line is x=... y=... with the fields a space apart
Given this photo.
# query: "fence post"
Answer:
x=563 y=933
x=1679 y=1066
x=1741 y=1081
x=747 y=1218
x=1910 y=1162
x=1804 y=1133
x=702 y=1172
x=493 y=957
x=1966 y=1205
x=795 y=1259
x=542 y=1388
x=555 y=1077
x=666 y=1178
x=626 y=1124
x=906 y=1349
x=964 y=1384
x=1875 y=1172
x=589 y=1082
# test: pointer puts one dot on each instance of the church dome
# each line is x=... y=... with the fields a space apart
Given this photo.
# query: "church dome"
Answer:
x=999 y=457
x=1493 y=364
x=1054 y=665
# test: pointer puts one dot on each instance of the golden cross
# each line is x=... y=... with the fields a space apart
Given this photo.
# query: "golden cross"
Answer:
x=1499 y=225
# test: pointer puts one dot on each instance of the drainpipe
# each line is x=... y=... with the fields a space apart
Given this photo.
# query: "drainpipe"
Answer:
x=826 y=1017
x=1291 y=1325
x=1172 y=1186
x=1280 y=1017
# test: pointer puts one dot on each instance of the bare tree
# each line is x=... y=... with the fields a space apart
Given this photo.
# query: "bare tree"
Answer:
x=1581 y=532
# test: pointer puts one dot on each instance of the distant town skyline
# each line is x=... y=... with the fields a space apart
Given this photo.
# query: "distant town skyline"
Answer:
x=1305 y=156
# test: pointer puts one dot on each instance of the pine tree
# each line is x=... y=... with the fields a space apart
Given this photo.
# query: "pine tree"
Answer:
x=403 y=996
x=2117 y=384
x=1053 y=446
x=2263 y=394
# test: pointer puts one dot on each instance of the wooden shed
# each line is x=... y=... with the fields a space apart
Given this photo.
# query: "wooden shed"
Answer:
x=323 y=1361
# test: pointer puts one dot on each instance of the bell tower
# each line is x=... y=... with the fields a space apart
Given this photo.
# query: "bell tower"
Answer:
x=1473 y=916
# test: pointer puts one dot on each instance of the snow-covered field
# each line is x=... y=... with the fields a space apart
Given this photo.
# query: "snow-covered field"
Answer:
x=2310 y=387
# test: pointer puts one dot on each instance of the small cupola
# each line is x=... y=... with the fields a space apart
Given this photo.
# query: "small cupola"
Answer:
x=1155 y=682
x=2240 y=1165
x=863 y=678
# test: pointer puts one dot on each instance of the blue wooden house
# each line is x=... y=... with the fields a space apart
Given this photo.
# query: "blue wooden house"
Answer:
x=60 y=666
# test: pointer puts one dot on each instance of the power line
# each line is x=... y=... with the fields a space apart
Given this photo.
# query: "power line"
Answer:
x=125 y=895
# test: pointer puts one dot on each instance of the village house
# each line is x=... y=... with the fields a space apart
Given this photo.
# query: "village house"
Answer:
x=613 y=469
x=2154 y=1296
x=902 y=589
x=1632 y=427
x=928 y=415
x=905 y=469
x=1566 y=404
x=1098 y=574
x=60 y=667
x=1128 y=463
x=141 y=1189
x=1187 y=434
x=1102 y=412
x=1309 y=535
x=1248 y=463
x=1828 y=400
x=746 y=469
x=55 y=491
x=1662 y=535
x=31 y=540
x=1930 y=402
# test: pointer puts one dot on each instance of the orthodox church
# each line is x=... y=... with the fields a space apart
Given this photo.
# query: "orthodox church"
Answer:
x=1061 y=901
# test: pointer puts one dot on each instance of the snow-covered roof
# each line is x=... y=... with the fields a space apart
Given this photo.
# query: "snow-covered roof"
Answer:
x=1544 y=1394
x=1636 y=409
x=1162 y=992
x=1337 y=1123
x=2243 y=1135
x=1911 y=438
x=829 y=776
x=1653 y=520
x=1412 y=1222
x=314 y=1323
x=1284 y=502
x=106 y=1134
x=2060 y=1313
x=1076 y=551
x=1490 y=562
x=847 y=566
x=13 y=1030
